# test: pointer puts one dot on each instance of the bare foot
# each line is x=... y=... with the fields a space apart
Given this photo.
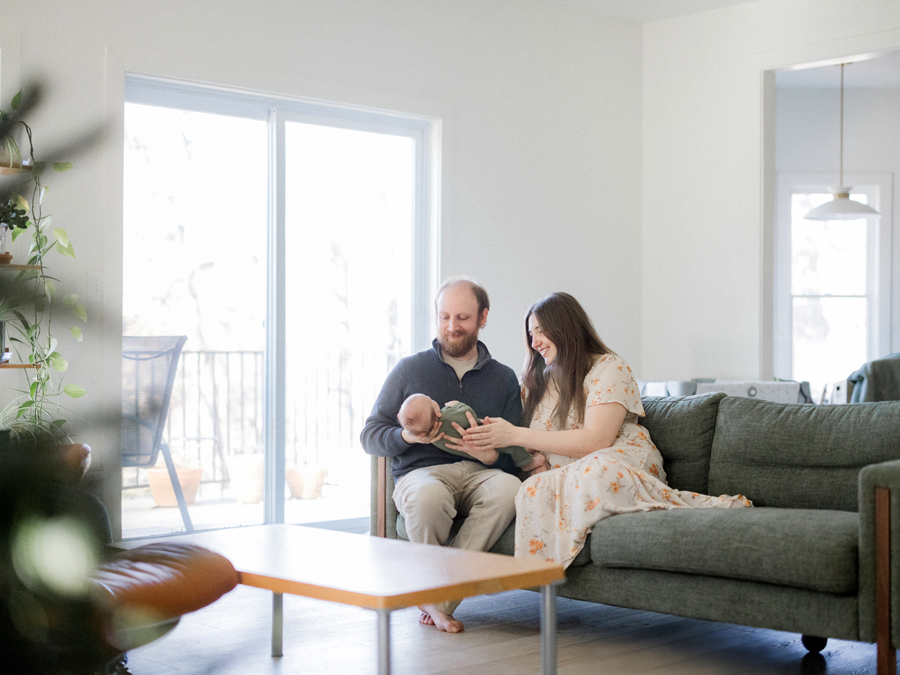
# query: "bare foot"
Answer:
x=537 y=465
x=432 y=616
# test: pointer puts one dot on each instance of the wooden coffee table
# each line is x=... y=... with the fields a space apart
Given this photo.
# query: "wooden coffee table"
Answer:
x=374 y=573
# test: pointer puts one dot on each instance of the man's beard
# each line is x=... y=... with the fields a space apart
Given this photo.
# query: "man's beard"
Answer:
x=458 y=347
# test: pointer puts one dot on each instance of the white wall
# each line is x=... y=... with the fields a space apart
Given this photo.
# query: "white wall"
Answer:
x=540 y=105
x=706 y=282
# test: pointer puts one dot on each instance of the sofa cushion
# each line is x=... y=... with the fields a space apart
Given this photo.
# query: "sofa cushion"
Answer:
x=800 y=456
x=682 y=428
x=810 y=549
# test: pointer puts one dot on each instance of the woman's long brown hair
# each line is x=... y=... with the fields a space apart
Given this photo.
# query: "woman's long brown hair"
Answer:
x=564 y=321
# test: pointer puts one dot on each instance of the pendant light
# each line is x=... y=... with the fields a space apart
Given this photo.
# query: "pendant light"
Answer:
x=841 y=207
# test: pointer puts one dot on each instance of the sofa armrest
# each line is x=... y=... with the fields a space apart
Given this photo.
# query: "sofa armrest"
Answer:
x=382 y=510
x=879 y=555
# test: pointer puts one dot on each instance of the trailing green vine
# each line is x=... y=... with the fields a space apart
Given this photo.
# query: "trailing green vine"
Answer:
x=29 y=300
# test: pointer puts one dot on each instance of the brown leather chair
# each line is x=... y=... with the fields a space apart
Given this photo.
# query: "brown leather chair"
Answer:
x=127 y=599
x=142 y=593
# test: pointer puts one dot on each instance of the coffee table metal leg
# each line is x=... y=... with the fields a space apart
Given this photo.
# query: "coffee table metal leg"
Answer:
x=548 y=629
x=384 y=641
x=277 y=623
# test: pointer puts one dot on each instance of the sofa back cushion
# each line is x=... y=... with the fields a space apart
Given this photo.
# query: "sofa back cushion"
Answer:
x=682 y=428
x=800 y=456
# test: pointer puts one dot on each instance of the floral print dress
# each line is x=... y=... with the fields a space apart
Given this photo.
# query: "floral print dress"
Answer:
x=556 y=510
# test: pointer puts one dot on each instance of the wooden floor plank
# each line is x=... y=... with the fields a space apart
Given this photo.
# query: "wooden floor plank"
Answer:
x=232 y=636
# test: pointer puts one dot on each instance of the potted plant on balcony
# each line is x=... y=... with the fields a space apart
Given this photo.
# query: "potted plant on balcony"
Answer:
x=31 y=296
x=189 y=473
x=246 y=474
x=305 y=481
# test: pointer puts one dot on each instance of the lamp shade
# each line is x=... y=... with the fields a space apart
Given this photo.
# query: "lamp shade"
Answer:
x=841 y=207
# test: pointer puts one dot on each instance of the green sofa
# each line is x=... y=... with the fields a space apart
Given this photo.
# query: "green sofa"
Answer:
x=803 y=560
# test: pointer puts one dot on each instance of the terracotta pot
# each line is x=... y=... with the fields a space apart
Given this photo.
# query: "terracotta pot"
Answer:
x=294 y=481
x=161 y=486
x=306 y=482
x=247 y=474
x=5 y=258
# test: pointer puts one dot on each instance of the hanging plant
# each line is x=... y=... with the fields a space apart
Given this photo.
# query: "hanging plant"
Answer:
x=11 y=216
x=29 y=300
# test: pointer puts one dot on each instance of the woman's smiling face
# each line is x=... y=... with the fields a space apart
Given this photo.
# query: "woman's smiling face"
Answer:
x=540 y=342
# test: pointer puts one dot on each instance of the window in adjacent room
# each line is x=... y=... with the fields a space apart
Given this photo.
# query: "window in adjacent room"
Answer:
x=832 y=284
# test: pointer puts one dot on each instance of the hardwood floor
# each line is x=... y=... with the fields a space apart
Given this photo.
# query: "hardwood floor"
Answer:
x=501 y=638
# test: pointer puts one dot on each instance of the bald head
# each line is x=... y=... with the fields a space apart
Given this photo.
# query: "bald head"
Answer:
x=478 y=292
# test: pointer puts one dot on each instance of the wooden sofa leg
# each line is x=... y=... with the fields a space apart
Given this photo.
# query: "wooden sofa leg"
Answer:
x=887 y=654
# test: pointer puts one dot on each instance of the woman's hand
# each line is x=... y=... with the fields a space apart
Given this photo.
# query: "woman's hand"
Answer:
x=485 y=455
x=494 y=432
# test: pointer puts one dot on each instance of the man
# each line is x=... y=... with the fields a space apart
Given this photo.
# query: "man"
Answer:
x=432 y=487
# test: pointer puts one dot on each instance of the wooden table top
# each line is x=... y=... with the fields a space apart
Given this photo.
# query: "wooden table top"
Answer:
x=360 y=570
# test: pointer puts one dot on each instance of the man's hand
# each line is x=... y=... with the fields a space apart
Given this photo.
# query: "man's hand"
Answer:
x=430 y=437
x=484 y=455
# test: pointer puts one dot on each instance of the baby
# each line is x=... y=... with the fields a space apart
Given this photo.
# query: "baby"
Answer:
x=417 y=416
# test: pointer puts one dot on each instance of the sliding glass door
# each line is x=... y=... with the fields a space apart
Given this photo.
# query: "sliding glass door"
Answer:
x=291 y=243
x=348 y=234
x=194 y=247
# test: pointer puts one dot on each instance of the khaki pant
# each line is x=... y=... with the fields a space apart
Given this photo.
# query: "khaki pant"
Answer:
x=430 y=498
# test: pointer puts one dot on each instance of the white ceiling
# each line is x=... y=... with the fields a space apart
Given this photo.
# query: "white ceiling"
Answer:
x=871 y=72
x=640 y=11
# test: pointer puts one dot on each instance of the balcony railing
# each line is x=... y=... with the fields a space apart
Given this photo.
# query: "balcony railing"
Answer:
x=218 y=409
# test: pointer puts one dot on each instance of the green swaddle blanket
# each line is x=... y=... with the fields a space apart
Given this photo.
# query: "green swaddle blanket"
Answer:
x=456 y=412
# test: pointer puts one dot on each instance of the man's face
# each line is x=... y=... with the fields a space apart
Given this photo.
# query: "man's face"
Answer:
x=458 y=321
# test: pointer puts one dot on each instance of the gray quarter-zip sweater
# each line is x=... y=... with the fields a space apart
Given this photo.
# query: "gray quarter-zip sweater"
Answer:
x=490 y=388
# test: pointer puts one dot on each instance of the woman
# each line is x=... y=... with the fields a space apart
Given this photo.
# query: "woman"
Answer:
x=581 y=405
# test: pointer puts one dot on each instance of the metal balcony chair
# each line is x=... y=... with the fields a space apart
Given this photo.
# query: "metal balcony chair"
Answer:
x=148 y=375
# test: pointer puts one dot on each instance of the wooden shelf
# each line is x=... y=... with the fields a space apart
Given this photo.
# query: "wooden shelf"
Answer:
x=16 y=365
x=18 y=268
x=14 y=168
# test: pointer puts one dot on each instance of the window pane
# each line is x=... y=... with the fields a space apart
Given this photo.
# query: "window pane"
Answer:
x=195 y=215
x=349 y=221
x=829 y=339
x=827 y=257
